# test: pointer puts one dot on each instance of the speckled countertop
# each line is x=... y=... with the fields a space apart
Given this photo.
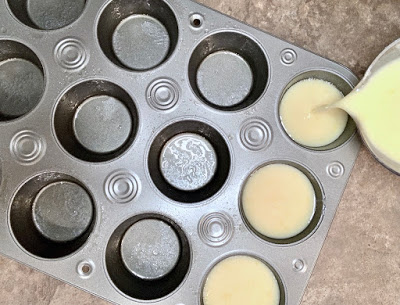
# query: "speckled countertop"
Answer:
x=360 y=261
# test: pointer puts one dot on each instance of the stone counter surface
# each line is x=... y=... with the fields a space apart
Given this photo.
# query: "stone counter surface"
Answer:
x=360 y=261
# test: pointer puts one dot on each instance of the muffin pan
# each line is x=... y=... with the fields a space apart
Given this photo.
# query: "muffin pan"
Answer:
x=127 y=132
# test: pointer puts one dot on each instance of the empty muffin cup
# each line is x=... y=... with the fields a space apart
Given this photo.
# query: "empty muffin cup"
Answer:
x=148 y=257
x=102 y=124
x=233 y=75
x=189 y=161
x=303 y=118
x=47 y=14
x=141 y=36
x=154 y=42
x=228 y=71
x=52 y=215
x=282 y=202
x=150 y=249
x=96 y=121
x=242 y=279
x=21 y=80
x=62 y=211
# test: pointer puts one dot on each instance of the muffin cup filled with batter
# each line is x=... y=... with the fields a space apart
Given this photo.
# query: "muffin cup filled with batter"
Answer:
x=242 y=279
x=301 y=114
x=282 y=202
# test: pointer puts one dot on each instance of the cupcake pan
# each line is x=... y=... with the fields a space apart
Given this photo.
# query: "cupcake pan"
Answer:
x=132 y=126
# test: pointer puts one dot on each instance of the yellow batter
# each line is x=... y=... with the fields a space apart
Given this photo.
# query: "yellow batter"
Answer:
x=308 y=127
x=278 y=201
x=376 y=109
x=241 y=280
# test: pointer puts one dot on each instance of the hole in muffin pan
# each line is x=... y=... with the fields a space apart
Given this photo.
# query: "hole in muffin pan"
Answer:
x=222 y=159
x=52 y=215
x=281 y=285
x=128 y=238
x=47 y=14
x=96 y=121
x=343 y=86
x=150 y=22
x=242 y=76
x=21 y=80
x=316 y=218
x=196 y=21
x=85 y=269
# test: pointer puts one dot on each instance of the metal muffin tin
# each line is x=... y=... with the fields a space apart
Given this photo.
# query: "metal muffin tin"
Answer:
x=197 y=72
